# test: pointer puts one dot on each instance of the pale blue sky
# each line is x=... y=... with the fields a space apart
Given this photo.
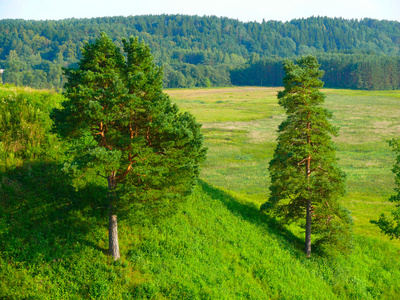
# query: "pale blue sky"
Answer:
x=244 y=10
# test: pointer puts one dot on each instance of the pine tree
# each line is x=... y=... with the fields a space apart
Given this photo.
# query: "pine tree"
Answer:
x=305 y=178
x=126 y=129
x=390 y=225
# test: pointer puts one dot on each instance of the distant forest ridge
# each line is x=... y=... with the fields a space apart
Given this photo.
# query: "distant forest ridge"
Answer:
x=210 y=51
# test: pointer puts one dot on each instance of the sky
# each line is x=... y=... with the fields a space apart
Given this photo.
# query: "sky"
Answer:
x=243 y=10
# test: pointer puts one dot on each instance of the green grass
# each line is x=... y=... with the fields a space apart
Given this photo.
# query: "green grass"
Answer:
x=240 y=149
x=227 y=104
x=217 y=245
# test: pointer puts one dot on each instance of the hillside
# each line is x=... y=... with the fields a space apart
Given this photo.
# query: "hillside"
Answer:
x=204 y=51
x=217 y=245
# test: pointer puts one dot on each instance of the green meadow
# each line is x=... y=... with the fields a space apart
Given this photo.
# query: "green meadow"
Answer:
x=217 y=245
x=240 y=127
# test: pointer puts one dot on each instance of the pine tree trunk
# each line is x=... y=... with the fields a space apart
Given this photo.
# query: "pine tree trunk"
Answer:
x=113 y=247
x=307 y=248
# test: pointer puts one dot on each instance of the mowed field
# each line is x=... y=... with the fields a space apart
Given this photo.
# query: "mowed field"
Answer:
x=240 y=127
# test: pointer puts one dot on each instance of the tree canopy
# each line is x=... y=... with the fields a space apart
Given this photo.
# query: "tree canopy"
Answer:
x=125 y=128
x=201 y=51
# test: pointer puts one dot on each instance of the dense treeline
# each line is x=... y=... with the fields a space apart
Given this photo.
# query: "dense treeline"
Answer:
x=348 y=71
x=202 y=51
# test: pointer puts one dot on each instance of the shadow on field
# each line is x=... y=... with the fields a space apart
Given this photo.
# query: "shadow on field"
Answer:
x=42 y=216
x=251 y=213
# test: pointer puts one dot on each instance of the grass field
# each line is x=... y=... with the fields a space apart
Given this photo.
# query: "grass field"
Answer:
x=217 y=245
x=240 y=126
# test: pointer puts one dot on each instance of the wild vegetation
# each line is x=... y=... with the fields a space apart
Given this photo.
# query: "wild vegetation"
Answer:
x=217 y=245
x=390 y=225
x=210 y=51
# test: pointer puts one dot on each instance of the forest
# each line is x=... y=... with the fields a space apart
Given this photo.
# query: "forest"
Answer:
x=210 y=51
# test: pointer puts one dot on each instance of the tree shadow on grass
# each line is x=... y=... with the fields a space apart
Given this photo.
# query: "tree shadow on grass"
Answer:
x=252 y=214
x=43 y=218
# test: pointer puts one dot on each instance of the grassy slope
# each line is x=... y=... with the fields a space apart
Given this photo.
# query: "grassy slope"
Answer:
x=217 y=246
x=240 y=126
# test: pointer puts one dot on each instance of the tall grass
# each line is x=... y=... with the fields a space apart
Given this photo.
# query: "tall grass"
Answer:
x=240 y=149
x=217 y=245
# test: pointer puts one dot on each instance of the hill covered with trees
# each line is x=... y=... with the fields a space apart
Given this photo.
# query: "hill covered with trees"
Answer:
x=210 y=51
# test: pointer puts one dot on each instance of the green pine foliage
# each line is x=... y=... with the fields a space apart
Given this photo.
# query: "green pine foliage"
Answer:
x=390 y=225
x=306 y=180
x=124 y=123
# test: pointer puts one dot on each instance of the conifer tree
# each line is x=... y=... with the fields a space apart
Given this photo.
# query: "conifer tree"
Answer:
x=306 y=181
x=390 y=225
x=126 y=129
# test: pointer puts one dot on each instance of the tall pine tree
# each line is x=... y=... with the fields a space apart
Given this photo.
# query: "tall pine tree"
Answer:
x=126 y=130
x=306 y=181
